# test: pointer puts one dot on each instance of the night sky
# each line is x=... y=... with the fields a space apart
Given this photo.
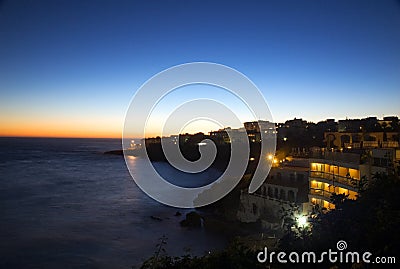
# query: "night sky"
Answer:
x=70 y=68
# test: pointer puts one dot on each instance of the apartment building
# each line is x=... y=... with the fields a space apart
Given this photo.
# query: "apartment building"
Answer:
x=344 y=172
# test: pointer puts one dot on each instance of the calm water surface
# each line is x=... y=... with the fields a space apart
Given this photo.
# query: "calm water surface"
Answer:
x=64 y=204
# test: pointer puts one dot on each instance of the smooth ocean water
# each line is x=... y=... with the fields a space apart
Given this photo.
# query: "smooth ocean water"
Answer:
x=64 y=204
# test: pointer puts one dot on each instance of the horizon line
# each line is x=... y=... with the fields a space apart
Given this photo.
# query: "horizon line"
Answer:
x=120 y=137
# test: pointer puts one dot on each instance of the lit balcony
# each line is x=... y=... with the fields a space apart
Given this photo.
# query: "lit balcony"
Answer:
x=334 y=179
x=320 y=194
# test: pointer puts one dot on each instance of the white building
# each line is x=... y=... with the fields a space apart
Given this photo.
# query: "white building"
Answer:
x=284 y=186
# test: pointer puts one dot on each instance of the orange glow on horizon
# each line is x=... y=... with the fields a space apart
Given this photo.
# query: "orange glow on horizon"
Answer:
x=66 y=129
x=60 y=134
x=40 y=129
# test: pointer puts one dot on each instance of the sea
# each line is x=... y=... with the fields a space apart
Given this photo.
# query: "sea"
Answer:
x=66 y=204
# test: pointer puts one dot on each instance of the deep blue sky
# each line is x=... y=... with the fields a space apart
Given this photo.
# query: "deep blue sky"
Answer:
x=76 y=64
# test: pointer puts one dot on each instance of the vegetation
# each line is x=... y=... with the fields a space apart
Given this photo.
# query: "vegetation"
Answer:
x=369 y=223
x=236 y=256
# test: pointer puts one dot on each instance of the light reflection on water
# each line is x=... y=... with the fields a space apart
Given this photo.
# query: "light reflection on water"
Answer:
x=64 y=204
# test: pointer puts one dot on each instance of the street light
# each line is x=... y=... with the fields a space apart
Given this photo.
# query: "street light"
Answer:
x=302 y=221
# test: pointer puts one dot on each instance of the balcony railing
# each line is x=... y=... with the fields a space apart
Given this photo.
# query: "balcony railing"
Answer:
x=372 y=144
x=322 y=193
x=390 y=144
x=355 y=145
x=348 y=181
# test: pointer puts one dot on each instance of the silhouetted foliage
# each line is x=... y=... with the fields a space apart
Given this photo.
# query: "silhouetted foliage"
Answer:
x=369 y=223
x=236 y=256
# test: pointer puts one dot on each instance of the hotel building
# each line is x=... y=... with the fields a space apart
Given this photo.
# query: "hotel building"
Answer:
x=341 y=173
x=285 y=186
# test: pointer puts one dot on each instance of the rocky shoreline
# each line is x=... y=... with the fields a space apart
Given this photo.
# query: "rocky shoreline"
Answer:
x=220 y=216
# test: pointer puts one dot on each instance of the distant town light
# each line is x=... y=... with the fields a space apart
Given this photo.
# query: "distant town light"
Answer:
x=285 y=139
x=270 y=157
x=252 y=159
